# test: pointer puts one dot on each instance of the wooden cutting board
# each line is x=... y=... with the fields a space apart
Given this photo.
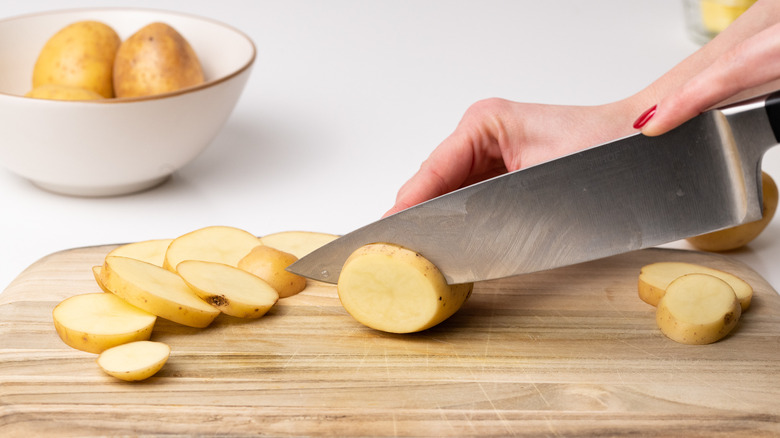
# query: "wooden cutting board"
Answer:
x=569 y=352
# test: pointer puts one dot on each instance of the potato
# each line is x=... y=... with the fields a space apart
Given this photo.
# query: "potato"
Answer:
x=150 y=251
x=80 y=55
x=134 y=361
x=739 y=236
x=218 y=244
x=396 y=290
x=97 y=321
x=698 y=309
x=154 y=60
x=233 y=291
x=62 y=92
x=270 y=264
x=656 y=277
x=156 y=290
x=297 y=243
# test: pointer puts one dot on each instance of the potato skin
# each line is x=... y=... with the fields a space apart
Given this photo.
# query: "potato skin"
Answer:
x=156 y=59
x=80 y=55
x=741 y=235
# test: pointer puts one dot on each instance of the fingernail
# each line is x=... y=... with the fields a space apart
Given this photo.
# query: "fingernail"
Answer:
x=645 y=117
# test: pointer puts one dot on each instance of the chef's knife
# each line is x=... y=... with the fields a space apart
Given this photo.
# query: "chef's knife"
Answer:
x=631 y=193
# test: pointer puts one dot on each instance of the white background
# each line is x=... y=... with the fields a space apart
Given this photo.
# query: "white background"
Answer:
x=345 y=101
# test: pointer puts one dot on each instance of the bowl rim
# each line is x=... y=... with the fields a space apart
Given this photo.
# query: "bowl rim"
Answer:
x=119 y=100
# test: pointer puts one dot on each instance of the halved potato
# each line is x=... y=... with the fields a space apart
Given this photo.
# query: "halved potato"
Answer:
x=150 y=251
x=394 y=289
x=97 y=321
x=270 y=264
x=232 y=290
x=220 y=244
x=656 y=277
x=157 y=291
x=698 y=309
x=134 y=361
x=297 y=243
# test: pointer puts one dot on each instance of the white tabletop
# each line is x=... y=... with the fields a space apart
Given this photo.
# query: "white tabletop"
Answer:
x=346 y=100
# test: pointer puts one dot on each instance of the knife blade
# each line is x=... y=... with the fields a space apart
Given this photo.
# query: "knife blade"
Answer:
x=631 y=193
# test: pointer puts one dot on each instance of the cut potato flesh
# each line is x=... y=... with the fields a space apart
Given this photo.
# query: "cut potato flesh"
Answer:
x=150 y=251
x=656 y=277
x=134 y=361
x=270 y=264
x=233 y=291
x=157 y=291
x=698 y=309
x=98 y=321
x=297 y=243
x=219 y=244
x=393 y=289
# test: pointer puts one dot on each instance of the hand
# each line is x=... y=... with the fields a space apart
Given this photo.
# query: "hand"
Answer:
x=497 y=135
x=741 y=62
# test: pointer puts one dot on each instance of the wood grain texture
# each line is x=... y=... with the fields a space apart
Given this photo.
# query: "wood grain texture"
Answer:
x=569 y=352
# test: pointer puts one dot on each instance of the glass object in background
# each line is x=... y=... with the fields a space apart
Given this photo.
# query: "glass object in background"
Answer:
x=707 y=18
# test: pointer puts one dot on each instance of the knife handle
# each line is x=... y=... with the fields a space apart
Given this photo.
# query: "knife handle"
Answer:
x=772 y=106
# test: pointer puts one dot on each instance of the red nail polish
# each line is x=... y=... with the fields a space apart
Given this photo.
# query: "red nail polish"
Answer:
x=645 y=117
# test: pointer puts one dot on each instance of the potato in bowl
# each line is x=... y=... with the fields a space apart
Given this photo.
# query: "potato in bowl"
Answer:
x=114 y=146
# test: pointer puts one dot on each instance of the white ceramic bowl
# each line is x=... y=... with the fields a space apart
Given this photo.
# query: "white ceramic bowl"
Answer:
x=114 y=146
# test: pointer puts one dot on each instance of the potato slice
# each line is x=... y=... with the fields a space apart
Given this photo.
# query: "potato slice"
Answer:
x=97 y=321
x=232 y=290
x=741 y=235
x=134 y=361
x=270 y=264
x=698 y=309
x=656 y=277
x=157 y=291
x=297 y=243
x=150 y=251
x=218 y=244
x=97 y=272
x=394 y=289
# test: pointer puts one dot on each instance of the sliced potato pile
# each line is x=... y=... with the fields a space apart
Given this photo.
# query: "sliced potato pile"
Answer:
x=189 y=280
x=694 y=304
x=656 y=277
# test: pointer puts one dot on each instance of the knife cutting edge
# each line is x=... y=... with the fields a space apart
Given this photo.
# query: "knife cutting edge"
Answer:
x=631 y=193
